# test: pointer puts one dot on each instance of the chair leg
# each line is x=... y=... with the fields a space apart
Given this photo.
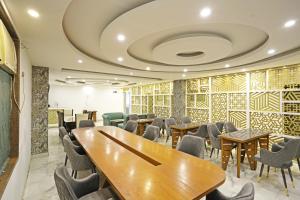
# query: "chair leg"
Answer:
x=231 y=155
x=284 y=181
x=75 y=175
x=211 y=152
x=243 y=156
x=291 y=176
x=167 y=138
x=218 y=153
x=72 y=173
x=205 y=146
x=298 y=160
x=260 y=173
x=66 y=160
x=268 y=170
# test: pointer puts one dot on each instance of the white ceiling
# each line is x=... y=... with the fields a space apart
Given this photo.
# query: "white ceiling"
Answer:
x=157 y=33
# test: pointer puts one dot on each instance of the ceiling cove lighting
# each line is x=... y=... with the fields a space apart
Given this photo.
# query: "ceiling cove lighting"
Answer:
x=271 y=51
x=33 y=13
x=289 y=23
x=121 y=37
x=227 y=65
x=205 y=12
x=185 y=70
x=80 y=61
x=148 y=68
x=120 y=59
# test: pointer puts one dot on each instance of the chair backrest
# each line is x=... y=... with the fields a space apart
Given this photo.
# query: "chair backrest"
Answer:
x=229 y=127
x=150 y=116
x=169 y=122
x=151 y=133
x=289 y=151
x=202 y=131
x=192 y=145
x=133 y=117
x=131 y=126
x=70 y=151
x=63 y=184
x=79 y=117
x=158 y=122
x=213 y=133
x=220 y=126
x=60 y=117
x=86 y=123
x=62 y=133
x=186 y=120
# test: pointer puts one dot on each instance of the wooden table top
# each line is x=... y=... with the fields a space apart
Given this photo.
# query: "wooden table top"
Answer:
x=141 y=169
x=186 y=126
x=244 y=135
x=143 y=121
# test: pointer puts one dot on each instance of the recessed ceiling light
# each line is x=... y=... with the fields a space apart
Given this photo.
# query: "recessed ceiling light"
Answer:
x=33 y=13
x=243 y=70
x=289 y=23
x=205 y=12
x=80 y=61
x=83 y=80
x=148 y=68
x=121 y=37
x=131 y=73
x=271 y=51
x=116 y=78
x=69 y=77
x=227 y=65
x=185 y=70
x=183 y=75
x=120 y=59
x=107 y=81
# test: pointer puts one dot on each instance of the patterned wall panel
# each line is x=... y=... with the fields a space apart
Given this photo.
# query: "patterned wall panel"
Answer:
x=258 y=80
x=267 y=121
x=144 y=109
x=167 y=100
x=163 y=112
x=229 y=83
x=238 y=118
x=192 y=86
x=291 y=107
x=202 y=101
x=237 y=101
x=292 y=125
x=136 y=90
x=198 y=115
x=144 y=100
x=147 y=89
x=190 y=100
x=280 y=77
x=265 y=101
x=165 y=88
x=159 y=100
x=150 y=104
x=135 y=109
x=291 y=95
x=219 y=107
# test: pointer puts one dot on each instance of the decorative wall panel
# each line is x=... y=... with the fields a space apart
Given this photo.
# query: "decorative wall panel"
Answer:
x=281 y=77
x=144 y=100
x=219 y=107
x=190 y=100
x=265 y=101
x=165 y=88
x=192 y=86
x=292 y=125
x=136 y=90
x=144 y=109
x=159 y=100
x=150 y=104
x=258 y=80
x=229 y=83
x=202 y=101
x=267 y=121
x=136 y=109
x=167 y=100
x=147 y=89
x=163 y=112
x=291 y=95
x=238 y=118
x=237 y=101
x=198 y=115
x=291 y=107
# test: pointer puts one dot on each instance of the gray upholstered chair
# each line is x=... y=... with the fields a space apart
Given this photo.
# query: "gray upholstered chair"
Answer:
x=168 y=123
x=215 y=141
x=279 y=146
x=131 y=126
x=282 y=159
x=152 y=133
x=78 y=161
x=229 y=127
x=150 y=116
x=220 y=126
x=133 y=117
x=186 y=120
x=192 y=145
x=60 y=117
x=158 y=122
x=246 y=193
x=87 y=188
x=86 y=123
x=201 y=132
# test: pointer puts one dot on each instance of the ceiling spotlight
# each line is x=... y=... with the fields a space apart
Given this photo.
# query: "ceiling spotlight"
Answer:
x=227 y=65
x=33 y=13
x=148 y=68
x=116 y=78
x=83 y=80
x=120 y=59
x=69 y=77
x=271 y=51
x=183 y=75
x=107 y=81
x=80 y=61
x=205 y=12
x=243 y=70
x=131 y=73
x=185 y=70
x=289 y=23
x=121 y=37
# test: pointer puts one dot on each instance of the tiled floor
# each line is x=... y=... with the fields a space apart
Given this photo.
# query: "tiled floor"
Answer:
x=40 y=184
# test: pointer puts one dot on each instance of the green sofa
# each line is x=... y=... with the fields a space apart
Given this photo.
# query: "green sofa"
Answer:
x=108 y=117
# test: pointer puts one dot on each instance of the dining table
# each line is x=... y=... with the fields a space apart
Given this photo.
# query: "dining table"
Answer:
x=246 y=140
x=179 y=130
x=137 y=168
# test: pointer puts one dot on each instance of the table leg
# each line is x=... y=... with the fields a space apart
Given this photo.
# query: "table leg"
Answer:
x=264 y=142
x=141 y=129
x=251 y=150
x=238 y=159
x=175 y=137
x=226 y=146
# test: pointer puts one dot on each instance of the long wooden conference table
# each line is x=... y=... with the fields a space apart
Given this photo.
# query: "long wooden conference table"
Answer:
x=141 y=169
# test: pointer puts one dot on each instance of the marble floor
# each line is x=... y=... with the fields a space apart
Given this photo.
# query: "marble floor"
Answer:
x=40 y=183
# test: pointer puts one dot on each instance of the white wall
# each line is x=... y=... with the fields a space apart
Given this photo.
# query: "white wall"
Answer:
x=99 y=98
x=15 y=187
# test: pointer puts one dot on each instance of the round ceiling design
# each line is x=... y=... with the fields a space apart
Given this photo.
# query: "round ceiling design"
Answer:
x=168 y=36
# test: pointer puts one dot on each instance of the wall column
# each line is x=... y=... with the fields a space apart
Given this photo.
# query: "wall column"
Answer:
x=40 y=86
x=179 y=95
